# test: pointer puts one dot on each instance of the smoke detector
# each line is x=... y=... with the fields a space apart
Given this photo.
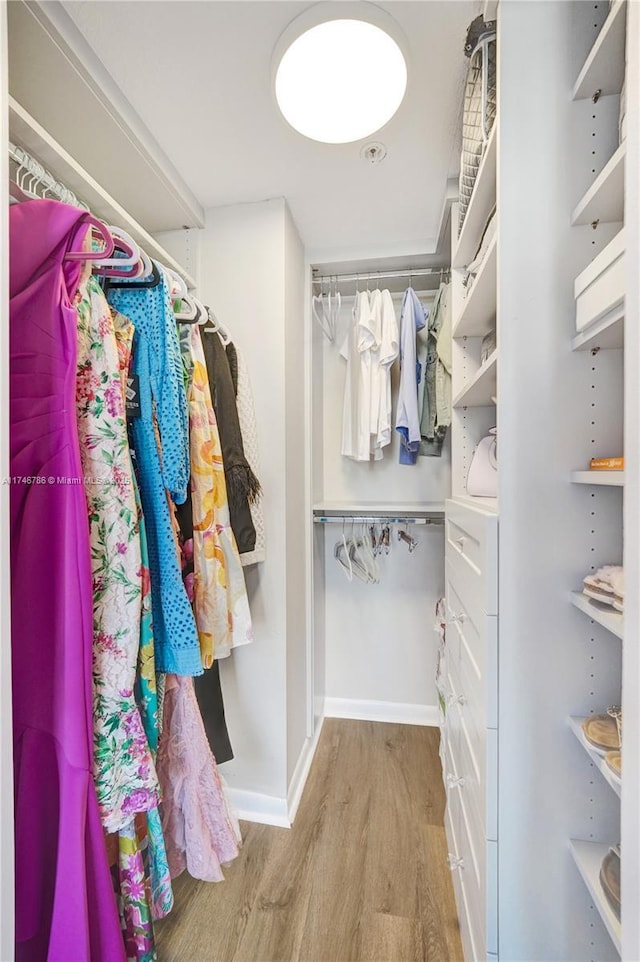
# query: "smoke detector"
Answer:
x=374 y=152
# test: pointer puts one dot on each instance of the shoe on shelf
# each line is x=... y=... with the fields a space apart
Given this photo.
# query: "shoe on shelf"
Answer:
x=613 y=761
x=610 y=878
x=603 y=732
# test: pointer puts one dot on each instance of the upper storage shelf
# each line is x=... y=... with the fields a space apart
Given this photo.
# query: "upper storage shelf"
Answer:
x=478 y=314
x=604 y=201
x=483 y=200
x=26 y=132
x=604 y=67
x=481 y=389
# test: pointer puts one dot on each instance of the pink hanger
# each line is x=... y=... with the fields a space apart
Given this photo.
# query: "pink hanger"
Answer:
x=93 y=255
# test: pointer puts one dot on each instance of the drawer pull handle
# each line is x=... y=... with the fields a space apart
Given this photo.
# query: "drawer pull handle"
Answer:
x=455 y=781
x=455 y=862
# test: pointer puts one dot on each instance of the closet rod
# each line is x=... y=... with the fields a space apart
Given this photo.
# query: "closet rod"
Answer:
x=372 y=519
x=381 y=275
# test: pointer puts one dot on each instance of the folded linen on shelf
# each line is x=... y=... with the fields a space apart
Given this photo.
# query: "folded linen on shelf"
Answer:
x=606 y=585
x=473 y=268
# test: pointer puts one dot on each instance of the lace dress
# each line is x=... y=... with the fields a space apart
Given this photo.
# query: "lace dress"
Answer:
x=201 y=832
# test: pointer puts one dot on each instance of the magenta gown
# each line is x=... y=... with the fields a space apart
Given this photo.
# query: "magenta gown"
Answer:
x=65 y=906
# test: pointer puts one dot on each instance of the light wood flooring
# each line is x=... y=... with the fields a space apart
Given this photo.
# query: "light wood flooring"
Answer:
x=361 y=877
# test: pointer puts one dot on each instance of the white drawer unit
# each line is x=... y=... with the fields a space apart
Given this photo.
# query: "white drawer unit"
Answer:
x=471 y=754
x=471 y=545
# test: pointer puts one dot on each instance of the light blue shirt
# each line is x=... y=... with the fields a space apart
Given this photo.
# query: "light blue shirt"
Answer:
x=413 y=318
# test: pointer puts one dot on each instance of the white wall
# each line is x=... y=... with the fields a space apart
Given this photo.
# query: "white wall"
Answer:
x=296 y=490
x=6 y=767
x=242 y=279
x=380 y=644
x=250 y=265
x=316 y=449
x=185 y=245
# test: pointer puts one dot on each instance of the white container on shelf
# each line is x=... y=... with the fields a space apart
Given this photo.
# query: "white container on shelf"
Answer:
x=599 y=289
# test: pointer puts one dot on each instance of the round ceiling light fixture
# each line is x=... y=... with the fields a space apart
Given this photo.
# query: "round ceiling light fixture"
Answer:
x=339 y=80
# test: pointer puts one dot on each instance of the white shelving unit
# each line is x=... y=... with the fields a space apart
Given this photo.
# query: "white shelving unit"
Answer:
x=478 y=315
x=418 y=509
x=588 y=857
x=482 y=202
x=604 y=67
x=604 y=200
x=575 y=723
x=484 y=504
x=603 y=615
x=482 y=387
x=607 y=333
x=607 y=478
x=26 y=132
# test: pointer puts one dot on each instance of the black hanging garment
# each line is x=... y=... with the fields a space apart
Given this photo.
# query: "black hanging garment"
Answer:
x=208 y=688
x=242 y=484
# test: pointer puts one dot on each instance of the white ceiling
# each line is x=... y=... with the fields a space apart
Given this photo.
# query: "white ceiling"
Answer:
x=198 y=75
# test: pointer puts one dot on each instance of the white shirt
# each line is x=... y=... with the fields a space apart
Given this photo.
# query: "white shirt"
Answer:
x=356 y=412
x=385 y=327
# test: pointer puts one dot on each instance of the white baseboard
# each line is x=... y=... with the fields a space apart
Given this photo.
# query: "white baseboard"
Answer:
x=254 y=807
x=382 y=711
x=271 y=810
x=301 y=772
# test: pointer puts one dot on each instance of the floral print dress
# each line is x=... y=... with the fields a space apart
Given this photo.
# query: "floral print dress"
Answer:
x=148 y=836
x=124 y=771
x=221 y=606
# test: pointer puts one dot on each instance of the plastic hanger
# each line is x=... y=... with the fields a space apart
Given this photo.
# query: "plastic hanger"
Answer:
x=187 y=312
x=321 y=310
x=177 y=286
x=358 y=558
x=406 y=537
x=369 y=558
x=341 y=554
x=121 y=264
x=333 y=309
x=217 y=328
x=93 y=255
x=202 y=311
